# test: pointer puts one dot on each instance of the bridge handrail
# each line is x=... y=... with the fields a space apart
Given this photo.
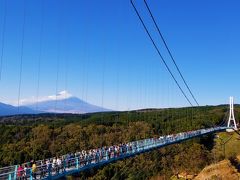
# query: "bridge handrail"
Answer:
x=110 y=152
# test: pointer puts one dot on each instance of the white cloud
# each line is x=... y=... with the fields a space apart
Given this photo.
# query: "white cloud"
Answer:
x=60 y=96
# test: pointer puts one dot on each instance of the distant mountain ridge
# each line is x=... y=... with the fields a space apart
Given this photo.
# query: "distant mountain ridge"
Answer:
x=68 y=105
x=8 y=110
x=63 y=102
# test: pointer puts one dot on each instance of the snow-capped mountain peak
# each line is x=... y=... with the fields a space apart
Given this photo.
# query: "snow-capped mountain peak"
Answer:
x=33 y=100
x=60 y=96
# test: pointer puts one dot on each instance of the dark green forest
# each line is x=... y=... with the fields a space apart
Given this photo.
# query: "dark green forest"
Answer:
x=28 y=137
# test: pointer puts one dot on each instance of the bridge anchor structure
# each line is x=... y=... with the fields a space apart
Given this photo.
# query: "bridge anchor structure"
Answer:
x=232 y=125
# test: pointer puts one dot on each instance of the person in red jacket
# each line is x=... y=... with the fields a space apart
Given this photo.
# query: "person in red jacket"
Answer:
x=20 y=172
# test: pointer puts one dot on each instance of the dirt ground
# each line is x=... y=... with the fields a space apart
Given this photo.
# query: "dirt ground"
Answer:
x=223 y=170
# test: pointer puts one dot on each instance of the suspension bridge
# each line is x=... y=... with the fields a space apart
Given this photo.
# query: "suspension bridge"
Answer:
x=58 y=167
x=70 y=164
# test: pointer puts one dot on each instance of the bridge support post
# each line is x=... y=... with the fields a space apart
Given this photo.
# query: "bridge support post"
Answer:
x=50 y=171
x=107 y=155
x=64 y=165
x=15 y=173
x=231 y=119
x=77 y=163
x=31 y=174
x=10 y=176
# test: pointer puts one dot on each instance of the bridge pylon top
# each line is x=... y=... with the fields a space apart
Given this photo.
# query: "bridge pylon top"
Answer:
x=231 y=119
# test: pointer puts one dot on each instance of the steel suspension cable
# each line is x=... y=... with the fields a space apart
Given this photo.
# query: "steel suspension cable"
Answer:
x=40 y=54
x=103 y=87
x=102 y=100
x=57 y=80
x=57 y=66
x=39 y=67
x=21 y=55
x=117 y=113
x=169 y=52
x=59 y=24
x=159 y=53
x=3 y=37
x=66 y=84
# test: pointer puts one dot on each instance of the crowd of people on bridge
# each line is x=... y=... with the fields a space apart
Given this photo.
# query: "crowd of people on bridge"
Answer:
x=56 y=165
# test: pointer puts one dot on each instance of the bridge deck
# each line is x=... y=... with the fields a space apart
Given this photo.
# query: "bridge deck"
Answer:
x=106 y=156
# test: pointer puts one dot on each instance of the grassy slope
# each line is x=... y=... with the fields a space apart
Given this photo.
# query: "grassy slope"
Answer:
x=232 y=145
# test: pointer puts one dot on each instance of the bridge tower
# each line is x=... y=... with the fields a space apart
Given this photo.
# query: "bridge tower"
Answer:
x=231 y=119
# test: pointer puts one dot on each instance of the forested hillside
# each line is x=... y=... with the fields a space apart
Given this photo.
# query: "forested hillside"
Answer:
x=24 y=138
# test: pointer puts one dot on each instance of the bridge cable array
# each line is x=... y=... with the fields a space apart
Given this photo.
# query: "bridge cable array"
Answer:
x=159 y=53
x=169 y=52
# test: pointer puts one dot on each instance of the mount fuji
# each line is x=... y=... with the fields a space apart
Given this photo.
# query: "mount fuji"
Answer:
x=63 y=102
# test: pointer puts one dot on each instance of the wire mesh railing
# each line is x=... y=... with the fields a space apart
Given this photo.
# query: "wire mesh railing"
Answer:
x=56 y=167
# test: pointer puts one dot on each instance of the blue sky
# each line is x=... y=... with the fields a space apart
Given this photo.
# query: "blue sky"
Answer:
x=106 y=58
